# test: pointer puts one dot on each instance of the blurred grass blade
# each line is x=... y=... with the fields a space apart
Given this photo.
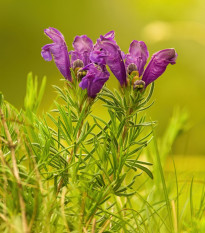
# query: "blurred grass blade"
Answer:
x=163 y=180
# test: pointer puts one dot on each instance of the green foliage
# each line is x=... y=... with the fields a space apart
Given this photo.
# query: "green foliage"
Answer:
x=71 y=171
x=1 y=99
x=33 y=97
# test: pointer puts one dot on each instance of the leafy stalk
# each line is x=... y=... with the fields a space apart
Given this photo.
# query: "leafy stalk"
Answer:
x=11 y=145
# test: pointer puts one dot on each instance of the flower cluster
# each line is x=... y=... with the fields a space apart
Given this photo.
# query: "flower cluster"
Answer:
x=89 y=61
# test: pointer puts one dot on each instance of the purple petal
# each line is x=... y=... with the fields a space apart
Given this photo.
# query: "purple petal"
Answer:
x=82 y=44
x=98 y=56
x=45 y=53
x=115 y=61
x=138 y=55
x=84 y=83
x=84 y=57
x=123 y=55
x=106 y=51
x=59 y=52
x=74 y=56
x=158 y=65
x=95 y=79
x=110 y=36
x=82 y=47
x=54 y=35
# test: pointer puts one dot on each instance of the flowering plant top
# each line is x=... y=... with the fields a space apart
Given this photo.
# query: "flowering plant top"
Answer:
x=89 y=61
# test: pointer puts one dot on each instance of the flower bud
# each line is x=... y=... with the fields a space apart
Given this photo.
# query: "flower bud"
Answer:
x=139 y=85
x=77 y=64
x=81 y=73
x=132 y=67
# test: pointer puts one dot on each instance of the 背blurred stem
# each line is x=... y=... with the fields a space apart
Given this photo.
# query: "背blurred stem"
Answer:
x=63 y=209
x=4 y=178
x=12 y=147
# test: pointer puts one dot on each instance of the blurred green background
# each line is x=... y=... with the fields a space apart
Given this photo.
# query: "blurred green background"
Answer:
x=178 y=24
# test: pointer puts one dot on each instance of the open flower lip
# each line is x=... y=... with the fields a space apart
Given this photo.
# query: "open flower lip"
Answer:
x=93 y=58
x=82 y=47
x=58 y=49
x=95 y=79
x=138 y=55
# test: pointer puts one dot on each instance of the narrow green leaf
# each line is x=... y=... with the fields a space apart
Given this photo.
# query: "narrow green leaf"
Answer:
x=1 y=99
x=163 y=180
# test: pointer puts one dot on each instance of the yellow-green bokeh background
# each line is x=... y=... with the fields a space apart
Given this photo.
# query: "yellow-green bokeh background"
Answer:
x=161 y=24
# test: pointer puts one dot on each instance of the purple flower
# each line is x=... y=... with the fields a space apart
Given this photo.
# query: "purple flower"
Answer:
x=82 y=47
x=58 y=50
x=138 y=55
x=95 y=78
x=137 y=58
x=158 y=65
x=107 y=52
